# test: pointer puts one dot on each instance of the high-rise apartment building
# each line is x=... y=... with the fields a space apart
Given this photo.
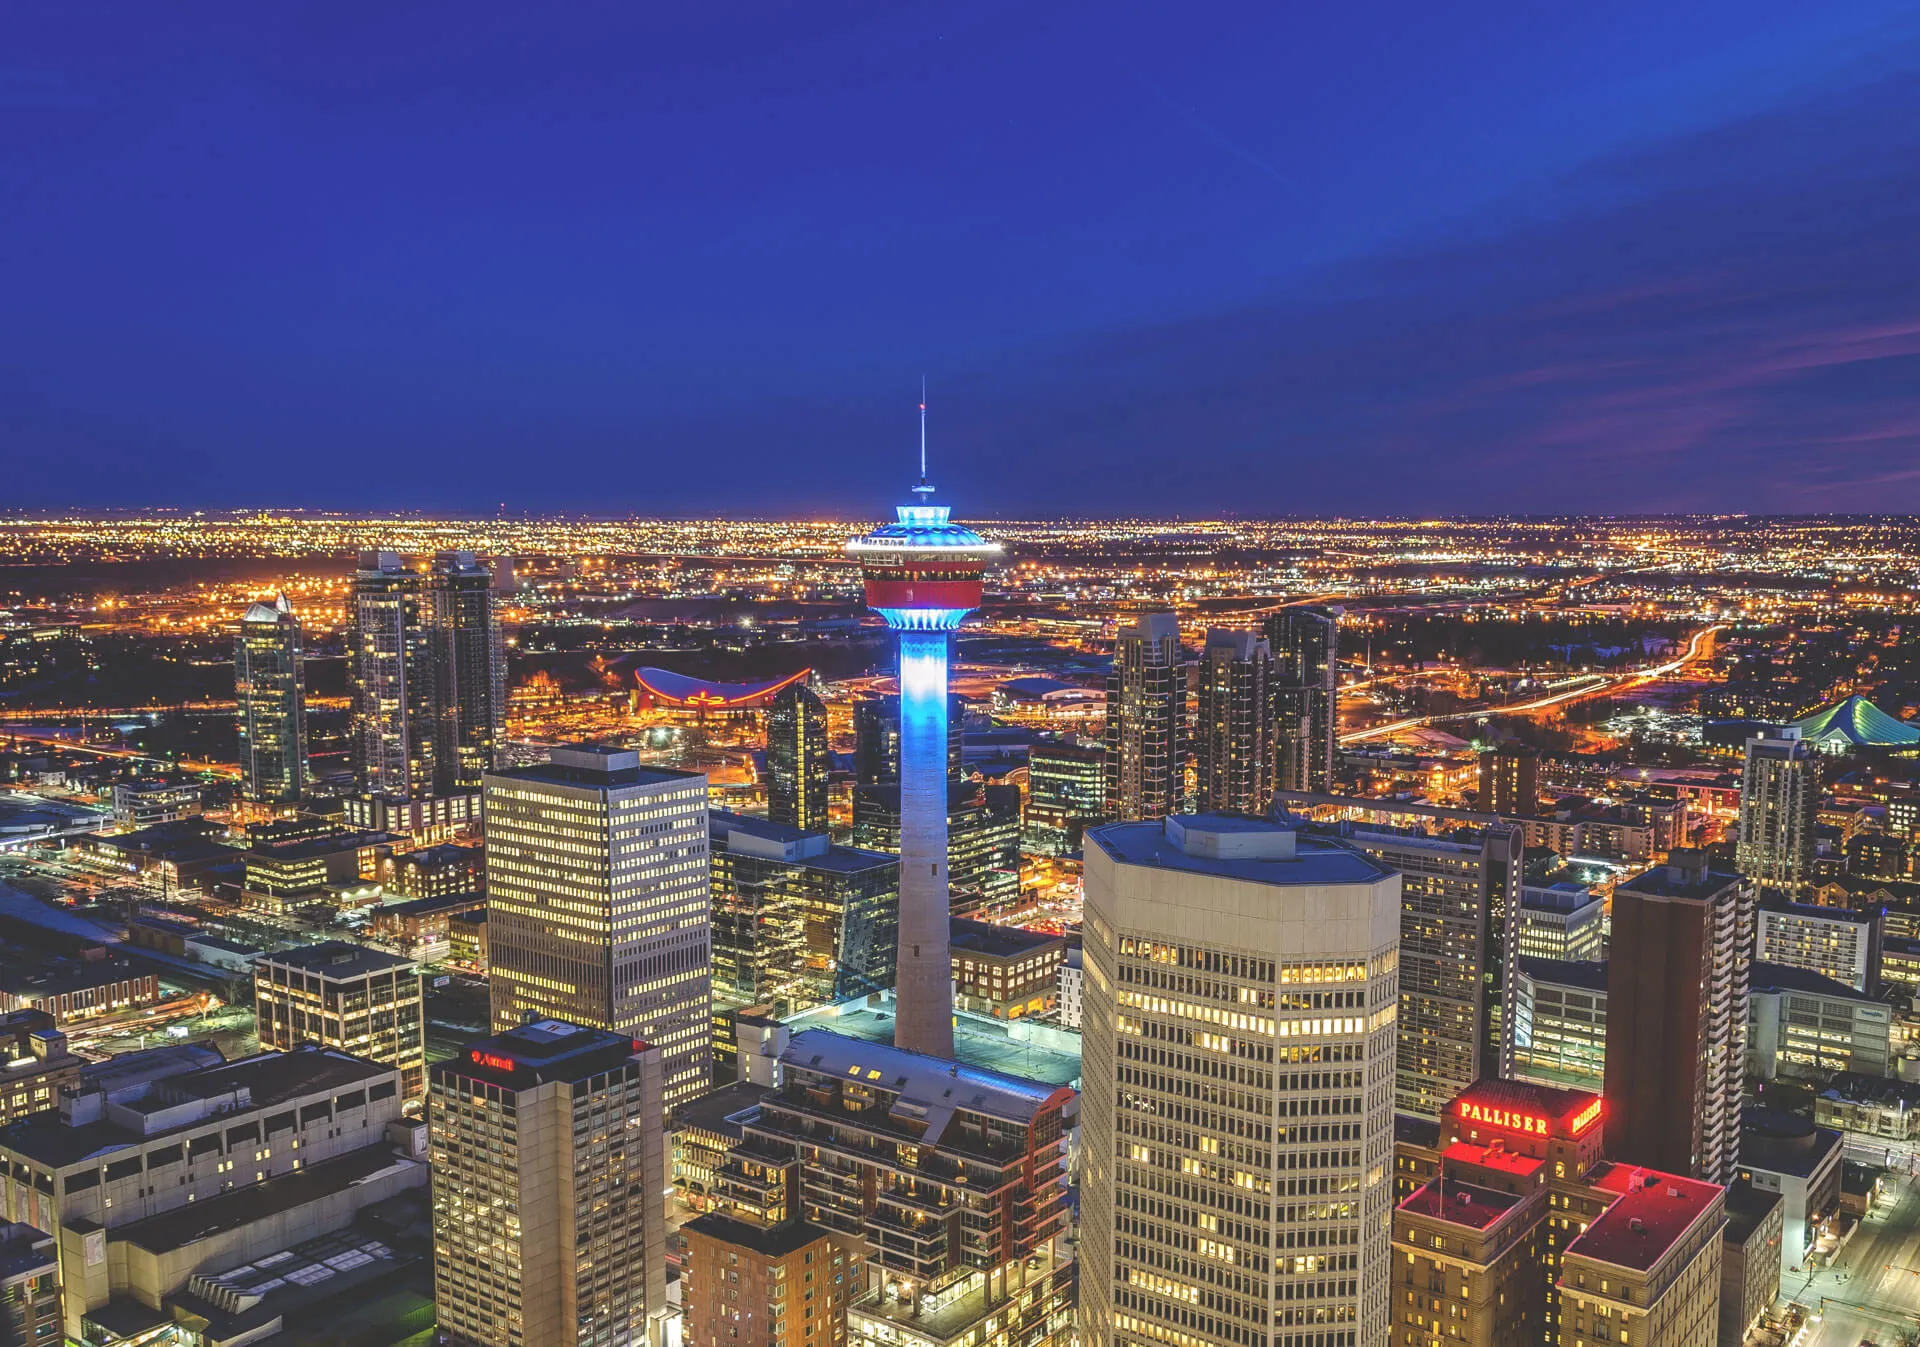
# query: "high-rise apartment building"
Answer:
x=469 y=671
x=1779 y=795
x=1835 y=942
x=1233 y=749
x=1677 y=985
x=798 y=763
x=1239 y=1062
x=1306 y=678
x=1510 y=781
x=1458 y=946
x=797 y=922
x=271 y=703
x=876 y=738
x=429 y=676
x=780 y=1286
x=951 y=1178
x=345 y=996
x=1066 y=792
x=1146 y=747
x=549 y=1220
x=599 y=903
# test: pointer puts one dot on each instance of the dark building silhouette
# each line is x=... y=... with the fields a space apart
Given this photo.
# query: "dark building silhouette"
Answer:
x=1510 y=781
x=876 y=738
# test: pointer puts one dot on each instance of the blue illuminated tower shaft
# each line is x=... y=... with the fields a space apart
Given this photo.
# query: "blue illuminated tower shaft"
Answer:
x=924 y=1006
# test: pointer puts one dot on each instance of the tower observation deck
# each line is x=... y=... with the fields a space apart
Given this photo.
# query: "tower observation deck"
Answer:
x=923 y=574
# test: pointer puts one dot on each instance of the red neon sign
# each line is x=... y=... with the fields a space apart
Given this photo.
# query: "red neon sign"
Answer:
x=498 y=1063
x=1508 y=1118
x=1586 y=1117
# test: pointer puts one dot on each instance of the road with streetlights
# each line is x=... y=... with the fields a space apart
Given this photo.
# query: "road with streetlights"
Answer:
x=1872 y=1292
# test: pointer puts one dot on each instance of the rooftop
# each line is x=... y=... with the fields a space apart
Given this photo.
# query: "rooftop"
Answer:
x=1522 y=1096
x=1777 y=977
x=1491 y=1157
x=1814 y=912
x=1747 y=1209
x=268 y=1079
x=1686 y=876
x=222 y=1212
x=540 y=1052
x=337 y=959
x=1457 y=1203
x=929 y=1085
x=978 y=1040
x=1586 y=974
x=25 y=1252
x=421 y=907
x=715 y=1110
x=594 y=768
x=999 y=942
x=1182 y=844
x=1651 y=1214
x=775 y=1242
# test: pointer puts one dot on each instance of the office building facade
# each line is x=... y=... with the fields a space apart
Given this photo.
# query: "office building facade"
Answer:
x=469 y=673
x=1146 y=747
x=876 y=738
x=1779 y=796
x=270 y=699
x=1677 y=987
x=1066 y=792
x=599 y=902
x=798 y=763
x=345 y=996
x=1238 y=1021
x=1233 y=749
x=1458 y=950
x=1560 y=1023
x=797 y=922
x=549 y=1221
x=982 y=839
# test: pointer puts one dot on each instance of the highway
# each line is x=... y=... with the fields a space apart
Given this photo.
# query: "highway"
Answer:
x=1872 y=1293
x=1698 y=645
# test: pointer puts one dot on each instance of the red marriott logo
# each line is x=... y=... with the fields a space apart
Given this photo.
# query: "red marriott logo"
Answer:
x=498 y=1063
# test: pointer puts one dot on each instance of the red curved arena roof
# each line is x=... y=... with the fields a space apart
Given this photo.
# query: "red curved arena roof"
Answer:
x=667 y=688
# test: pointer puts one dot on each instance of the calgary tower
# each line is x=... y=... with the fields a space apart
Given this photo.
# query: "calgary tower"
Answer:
x=923 y=575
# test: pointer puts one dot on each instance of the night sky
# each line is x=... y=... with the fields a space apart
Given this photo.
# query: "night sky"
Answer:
x=1278 y=258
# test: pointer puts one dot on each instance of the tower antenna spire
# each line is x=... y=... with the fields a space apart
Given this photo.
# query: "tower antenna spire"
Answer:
x=925 y=488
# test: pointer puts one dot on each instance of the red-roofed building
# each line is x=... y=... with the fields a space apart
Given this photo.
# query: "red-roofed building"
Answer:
x=1517 y=1182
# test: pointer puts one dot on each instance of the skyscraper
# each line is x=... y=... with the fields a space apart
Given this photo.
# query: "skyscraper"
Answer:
x=1233 y=751
x=1238 y=1107
x=429 y=676
x=1779 y=796
x=599 y=905
x=1677 y=983
x=923 y=575
x=270 y=695
x=1306 y=649
x=1146 y=721
x=389 y=663
x=469 y=672
x=549 y=1220
x=982 y=836
x=797 y=759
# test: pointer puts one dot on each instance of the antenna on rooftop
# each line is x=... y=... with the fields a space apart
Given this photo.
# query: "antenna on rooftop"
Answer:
x=924 y=488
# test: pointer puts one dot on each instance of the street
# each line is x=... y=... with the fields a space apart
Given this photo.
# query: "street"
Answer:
x=1872 y=1294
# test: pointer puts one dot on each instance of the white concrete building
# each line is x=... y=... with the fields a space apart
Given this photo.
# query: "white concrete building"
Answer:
x=1239 y=1018
x=1073 y=982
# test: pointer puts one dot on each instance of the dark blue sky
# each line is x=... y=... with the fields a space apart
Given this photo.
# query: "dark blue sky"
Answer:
x=1269 y=258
